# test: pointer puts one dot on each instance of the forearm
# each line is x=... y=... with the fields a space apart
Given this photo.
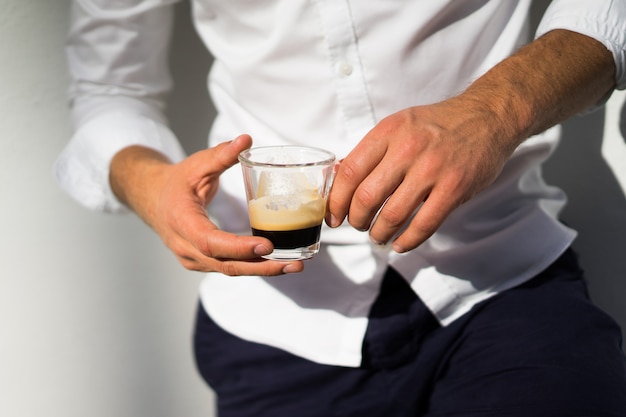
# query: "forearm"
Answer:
x=553 y=78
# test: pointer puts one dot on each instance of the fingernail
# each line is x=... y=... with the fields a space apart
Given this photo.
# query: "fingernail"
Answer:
x=334 y=222
x=397 y=248
x=290 y=269
x=262 y=250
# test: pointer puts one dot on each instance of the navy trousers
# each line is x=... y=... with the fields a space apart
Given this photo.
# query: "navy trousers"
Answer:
x=540 y=349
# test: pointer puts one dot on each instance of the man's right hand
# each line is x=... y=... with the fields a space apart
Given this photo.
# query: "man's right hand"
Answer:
x=172 y=199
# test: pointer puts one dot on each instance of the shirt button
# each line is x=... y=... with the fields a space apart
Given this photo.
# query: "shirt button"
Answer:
x=346 y=69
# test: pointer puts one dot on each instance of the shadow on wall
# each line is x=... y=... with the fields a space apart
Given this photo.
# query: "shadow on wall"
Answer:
x=596 y=208
x=189 y=110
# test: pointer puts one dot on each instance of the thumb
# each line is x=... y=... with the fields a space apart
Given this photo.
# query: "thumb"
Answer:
x=223 y=156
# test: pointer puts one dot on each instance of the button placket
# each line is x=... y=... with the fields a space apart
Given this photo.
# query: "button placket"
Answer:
x=352 y=94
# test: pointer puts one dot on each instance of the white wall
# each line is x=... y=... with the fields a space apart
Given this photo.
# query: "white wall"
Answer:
x=96 y=316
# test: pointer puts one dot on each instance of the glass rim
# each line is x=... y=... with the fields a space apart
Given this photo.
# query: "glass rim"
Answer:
x=244 y=157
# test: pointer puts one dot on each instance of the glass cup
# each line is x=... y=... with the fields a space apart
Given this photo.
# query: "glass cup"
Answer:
x=287 y=188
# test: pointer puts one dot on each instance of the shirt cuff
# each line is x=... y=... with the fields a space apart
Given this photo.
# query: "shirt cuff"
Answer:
x=604 y=21
x=82 y=168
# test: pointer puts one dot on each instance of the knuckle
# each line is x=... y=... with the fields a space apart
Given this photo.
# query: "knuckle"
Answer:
x=229 y=269
x=349 y=170
x=393 y=216
x=389 y=123
x=425 y=227
x=365 y=197
x=205 y=248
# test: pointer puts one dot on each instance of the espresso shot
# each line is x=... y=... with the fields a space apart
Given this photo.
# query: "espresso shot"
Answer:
x=293 y=224
x=286 y=189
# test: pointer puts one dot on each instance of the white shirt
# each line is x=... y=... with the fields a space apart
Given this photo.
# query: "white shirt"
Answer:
x=324 y=72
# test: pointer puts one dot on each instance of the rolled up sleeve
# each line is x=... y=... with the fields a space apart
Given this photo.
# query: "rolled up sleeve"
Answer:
x=117 y=60
x=602 y=20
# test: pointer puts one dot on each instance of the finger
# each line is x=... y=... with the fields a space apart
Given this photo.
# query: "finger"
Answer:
x=224 y=245
x=189 y=222
x=396 y=212
x=253 y=267
x=244 y=263
x=351 y=172
x=218 y=159
x=371 y=195
x=260 y=268
x=436 y=208
x=212 y=242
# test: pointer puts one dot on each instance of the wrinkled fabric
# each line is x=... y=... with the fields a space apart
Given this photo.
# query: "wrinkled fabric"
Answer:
x=323 y=73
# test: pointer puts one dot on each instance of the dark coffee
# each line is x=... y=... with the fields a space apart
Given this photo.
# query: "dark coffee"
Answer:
x=291 y=239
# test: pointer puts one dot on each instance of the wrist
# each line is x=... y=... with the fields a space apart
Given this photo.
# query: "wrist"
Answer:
x=134 y=172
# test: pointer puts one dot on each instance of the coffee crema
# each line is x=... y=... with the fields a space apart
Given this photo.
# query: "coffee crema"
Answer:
x=273 y=214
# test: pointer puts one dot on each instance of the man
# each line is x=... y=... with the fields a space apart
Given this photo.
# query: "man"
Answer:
x=445 y=285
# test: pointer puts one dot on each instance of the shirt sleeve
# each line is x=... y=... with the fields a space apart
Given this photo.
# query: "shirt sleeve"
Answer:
x=119 y=76
x=603 y=20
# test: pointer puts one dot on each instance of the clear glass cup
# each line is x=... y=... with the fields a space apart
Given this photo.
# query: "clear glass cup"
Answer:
x=286 y=190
